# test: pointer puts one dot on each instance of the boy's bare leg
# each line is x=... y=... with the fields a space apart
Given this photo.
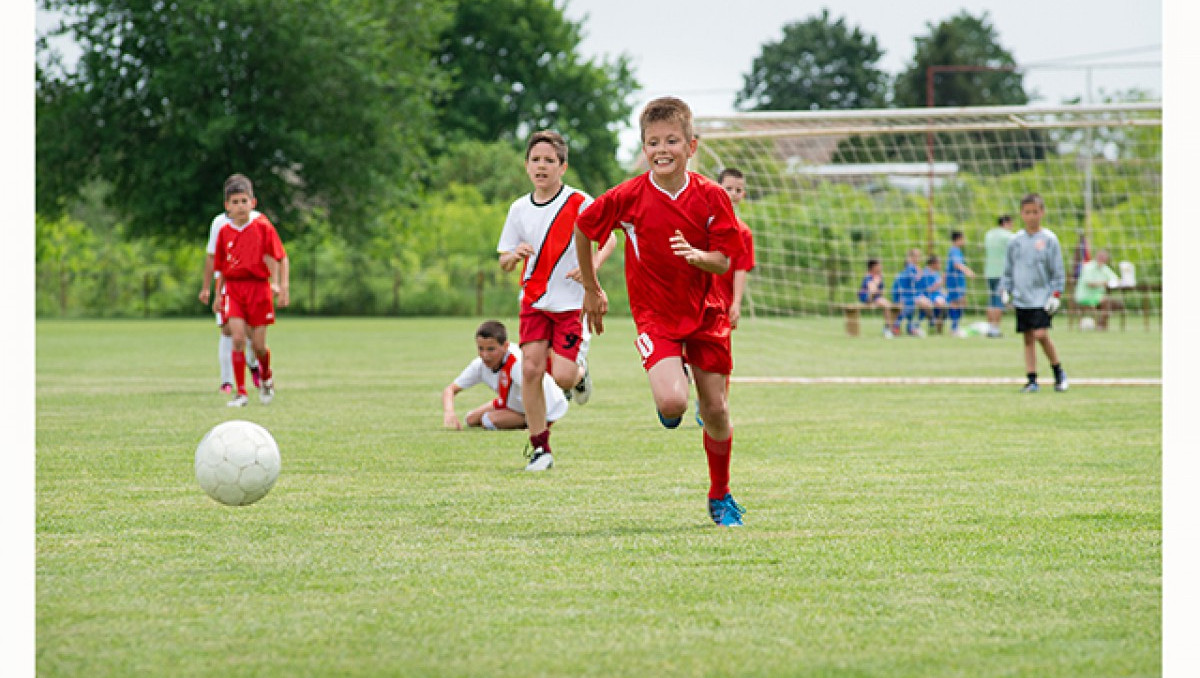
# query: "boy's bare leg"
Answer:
x=566 y=373
x=1030 y=338
x=669 y=386
x=503 y=419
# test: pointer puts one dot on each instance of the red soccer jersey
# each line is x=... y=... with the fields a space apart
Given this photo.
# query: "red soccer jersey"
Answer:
x=239 y=253
x=723 y=285
x=665 y=291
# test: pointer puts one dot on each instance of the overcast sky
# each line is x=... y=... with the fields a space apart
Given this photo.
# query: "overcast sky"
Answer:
x=703 y=52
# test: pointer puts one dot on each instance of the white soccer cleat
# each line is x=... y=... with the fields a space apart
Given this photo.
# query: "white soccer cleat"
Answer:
x=239 y=400
x=267 y=393
x=961 y=333
x=583 y=390
x=540 y=460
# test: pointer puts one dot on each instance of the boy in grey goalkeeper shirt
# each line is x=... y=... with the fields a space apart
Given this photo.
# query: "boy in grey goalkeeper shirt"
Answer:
x=1034 y=279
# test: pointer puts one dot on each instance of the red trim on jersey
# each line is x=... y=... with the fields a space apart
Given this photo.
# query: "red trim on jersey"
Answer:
x=504 y=385
x=559 y=237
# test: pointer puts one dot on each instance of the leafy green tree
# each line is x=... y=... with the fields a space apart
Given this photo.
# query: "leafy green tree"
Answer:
x=962 y=40
x=516 y=69
x=819 y=64
x=320 y=102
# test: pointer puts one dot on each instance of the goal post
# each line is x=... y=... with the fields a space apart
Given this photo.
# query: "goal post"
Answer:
x=828 y=190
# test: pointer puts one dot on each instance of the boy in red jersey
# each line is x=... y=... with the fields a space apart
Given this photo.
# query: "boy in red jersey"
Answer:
x=680 y=234
x=539 y=232
x=225 y=343
x=254 y=268
x=730 y=287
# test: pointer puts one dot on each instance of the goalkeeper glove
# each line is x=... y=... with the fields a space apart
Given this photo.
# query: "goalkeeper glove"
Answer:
x=1052 y=304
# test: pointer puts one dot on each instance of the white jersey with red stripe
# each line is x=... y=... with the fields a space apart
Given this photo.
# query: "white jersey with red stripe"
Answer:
x=506 y=382
x=550 y=228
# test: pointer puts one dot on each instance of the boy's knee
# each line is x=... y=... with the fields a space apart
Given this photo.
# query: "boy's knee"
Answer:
x=671 y=406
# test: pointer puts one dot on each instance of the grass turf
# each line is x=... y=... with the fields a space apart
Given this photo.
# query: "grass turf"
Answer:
x=941 y=530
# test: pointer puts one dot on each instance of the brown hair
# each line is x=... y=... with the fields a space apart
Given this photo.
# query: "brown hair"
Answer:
x=238 y=183
x=730 y=172
x=668 y=109
x=493 y=329
x=551 y=137
x=1033 y=199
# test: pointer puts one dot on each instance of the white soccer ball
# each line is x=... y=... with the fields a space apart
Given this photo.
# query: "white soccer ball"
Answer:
x=1087 y=323
x=237 y=463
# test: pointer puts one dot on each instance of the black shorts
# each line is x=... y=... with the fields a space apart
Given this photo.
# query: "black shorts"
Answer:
x=1032 y=319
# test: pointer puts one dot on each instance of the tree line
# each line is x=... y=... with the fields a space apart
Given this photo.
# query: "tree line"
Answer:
x=384 y=137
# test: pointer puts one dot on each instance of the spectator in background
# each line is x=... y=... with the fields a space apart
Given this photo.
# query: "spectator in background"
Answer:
x=957 y=273
x=870 y=293
x=1091 y=290
x=995 y=248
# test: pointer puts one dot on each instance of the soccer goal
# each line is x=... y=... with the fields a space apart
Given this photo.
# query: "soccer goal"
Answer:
x=828 y=190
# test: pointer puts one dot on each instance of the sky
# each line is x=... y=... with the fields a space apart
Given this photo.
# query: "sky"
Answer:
x=703 y=53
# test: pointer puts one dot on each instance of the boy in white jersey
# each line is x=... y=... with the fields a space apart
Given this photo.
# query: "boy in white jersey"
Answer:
x=225 y=343
x=539 y=231
x=499 y=366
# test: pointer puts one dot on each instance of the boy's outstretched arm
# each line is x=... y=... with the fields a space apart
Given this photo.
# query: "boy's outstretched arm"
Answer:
x=449 y=418
x=595 y=302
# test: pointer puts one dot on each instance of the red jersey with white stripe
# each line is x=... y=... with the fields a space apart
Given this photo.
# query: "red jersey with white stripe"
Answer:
x=723 y=285
x=219 y=221
x=665 y=292
x=239 y=251
x=550 y=228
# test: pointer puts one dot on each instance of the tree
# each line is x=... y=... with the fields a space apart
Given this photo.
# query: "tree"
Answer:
x=962 y=40
x=320 y=103
x=516 y=69
x=819 y=64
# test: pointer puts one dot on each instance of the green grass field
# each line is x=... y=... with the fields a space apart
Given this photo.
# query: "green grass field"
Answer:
x=892 y=530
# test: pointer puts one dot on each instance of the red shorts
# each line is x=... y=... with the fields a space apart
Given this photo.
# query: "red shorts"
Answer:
x=250 y=300
x=562 y=329
x=707 y=348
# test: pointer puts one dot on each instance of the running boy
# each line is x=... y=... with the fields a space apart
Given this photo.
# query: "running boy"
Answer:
x=1034 y=278
x=499 y=366
x=539 y=231
x=680 y=231
x=254 y=268
x=225 y=342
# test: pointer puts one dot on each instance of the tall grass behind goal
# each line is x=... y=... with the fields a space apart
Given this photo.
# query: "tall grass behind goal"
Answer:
x=828 y=190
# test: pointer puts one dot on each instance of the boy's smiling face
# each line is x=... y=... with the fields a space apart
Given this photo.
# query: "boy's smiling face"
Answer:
x=667 y=151
x=544 y=168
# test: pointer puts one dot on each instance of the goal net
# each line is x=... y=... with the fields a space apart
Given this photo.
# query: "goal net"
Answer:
x=826 y=191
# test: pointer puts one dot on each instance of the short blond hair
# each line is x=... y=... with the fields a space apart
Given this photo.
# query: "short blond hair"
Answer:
x=668 y=109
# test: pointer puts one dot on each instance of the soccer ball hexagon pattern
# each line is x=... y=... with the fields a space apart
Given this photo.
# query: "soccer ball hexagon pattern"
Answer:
x=237 y=462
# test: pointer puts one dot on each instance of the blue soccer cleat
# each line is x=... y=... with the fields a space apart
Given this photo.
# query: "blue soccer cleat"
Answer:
x=699 y=421
x=726 y=512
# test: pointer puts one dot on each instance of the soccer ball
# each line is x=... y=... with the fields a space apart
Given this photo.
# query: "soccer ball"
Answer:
x=237 y=463
x=1087 y=323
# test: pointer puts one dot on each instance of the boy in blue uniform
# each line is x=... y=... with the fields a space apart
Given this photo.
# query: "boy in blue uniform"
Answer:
x=870 y=292
x=931 y=293
x=957 y=273
x=904 y=293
